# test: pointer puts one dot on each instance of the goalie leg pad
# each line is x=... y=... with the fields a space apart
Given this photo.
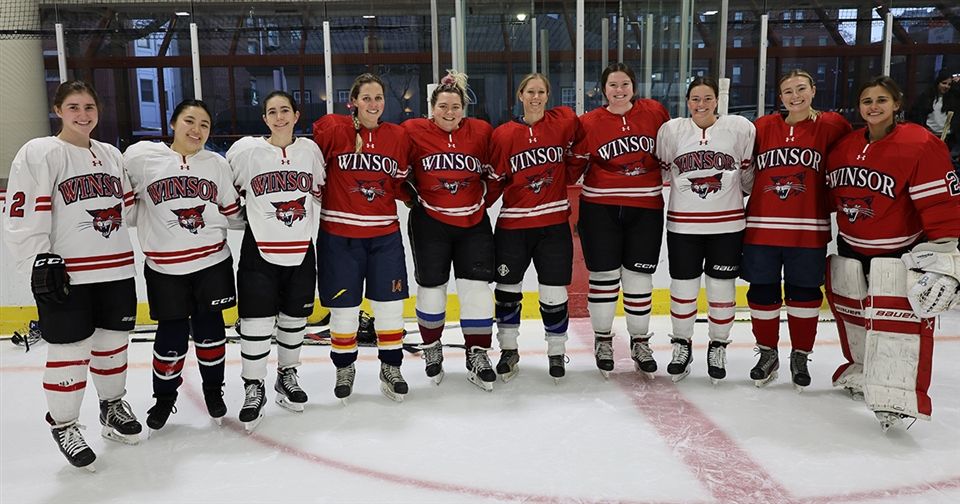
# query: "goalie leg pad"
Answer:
x=846 y=293
x=899 y=345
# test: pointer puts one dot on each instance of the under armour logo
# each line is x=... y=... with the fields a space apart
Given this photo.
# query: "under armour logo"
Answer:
x=451 y=145
x=625 y=127
x=704 y=142
x=370 y=146
x=532 y=140
x=284 y=161
x=97 y=162
x=861 y=157
x=184 y=167
x=790 y=139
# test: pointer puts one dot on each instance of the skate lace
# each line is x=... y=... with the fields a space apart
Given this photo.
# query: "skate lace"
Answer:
x=681 y=352
x=432 y=354
x=799 y=361
x=254 y=395
x=558 y=360
x=604 y=350
x=479 y=360
x=288 y=380
x=71 y=439
x=717 y=356
x=642 y=351
x=767 y=358
x=119 y=412
x=345 y=375
x=391 y=373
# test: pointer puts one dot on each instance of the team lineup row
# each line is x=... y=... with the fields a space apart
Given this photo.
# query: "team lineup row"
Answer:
x=72 y=198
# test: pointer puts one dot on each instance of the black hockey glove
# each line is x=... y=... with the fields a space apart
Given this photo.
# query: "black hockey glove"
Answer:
x=49 y=281
x=413 y=193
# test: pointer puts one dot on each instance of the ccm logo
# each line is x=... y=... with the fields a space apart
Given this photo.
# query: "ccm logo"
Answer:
x=218 y=302
x=48 y=260
x=645 y=266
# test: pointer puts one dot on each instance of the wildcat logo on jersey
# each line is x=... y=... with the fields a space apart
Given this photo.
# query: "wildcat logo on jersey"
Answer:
x=182 y=186
x=634 y=169
x=190 y=219
x=536 y=183
x=451 y=185
x=277 y=181
x=787 y=185
x=535 y=157
x=370 y=189
x=856 y=208
x=705 y=160
x=105 y=220
x=94 y=185
x=291 y=211
x=703 y=186
x=626 y=145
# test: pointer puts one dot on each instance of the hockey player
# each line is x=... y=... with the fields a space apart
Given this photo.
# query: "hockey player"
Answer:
x=708 y=159
x=278 y=177
x=621 y=213
x=788 y=225
x=64 y=219
x=897 y=266
x=359 y=243
x=449 y=223
x=185 y=195
x=529 y=157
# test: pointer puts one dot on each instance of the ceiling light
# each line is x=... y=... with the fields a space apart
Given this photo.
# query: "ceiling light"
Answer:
x=521 y=17
x=182 y=13
x=709 y=13
x=369 y=16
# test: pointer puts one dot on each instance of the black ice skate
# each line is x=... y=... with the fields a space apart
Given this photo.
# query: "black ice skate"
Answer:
x=557 y=367
x=213 y=397
x=344 y=385
x=479 y=370
x=119 y=423
x=642 y=356
x=507 y=366
x=798 y=369
x=391 y=382
x=252 y=411
x=157 y=415
x=433 y=360
x=603 y=352
x=679 y=366
x=767 y=365
x=289 y=394
x=717 y=360
x=71 y=444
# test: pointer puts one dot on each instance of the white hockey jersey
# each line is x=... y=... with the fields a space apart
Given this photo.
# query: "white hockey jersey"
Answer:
x=709 y=170
x=276 y=184
x=182 y=206
x=70 y=201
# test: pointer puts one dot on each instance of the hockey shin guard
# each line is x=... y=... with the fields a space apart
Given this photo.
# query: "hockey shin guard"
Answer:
x=108 y=363
x=602 y=300
x=65 y=378
x=209 y=341
x=476 y=312
x=683 y=306
x=343 y=335
x=553 y=311
x=388 y=322
x=765 y=302
x=255 y=335
x=431 y=312
x=169 y=352
x=290 y=331
x=803 y=313
x=722 y=303
x=509 y=302
x=637 y=291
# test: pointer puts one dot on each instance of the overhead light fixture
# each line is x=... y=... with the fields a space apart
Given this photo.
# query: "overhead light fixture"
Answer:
x=369 y=16
x=182 y=13
x=709 y=13
x=521 y=17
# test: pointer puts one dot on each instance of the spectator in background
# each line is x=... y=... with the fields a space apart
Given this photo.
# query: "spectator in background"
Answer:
x=932 y=106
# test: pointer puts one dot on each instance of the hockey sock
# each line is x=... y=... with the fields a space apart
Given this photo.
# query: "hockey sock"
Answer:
x=476 y=312
x=637 y=290
x=209 y=341
x=169 y=351
x=509 y=301
x=553 y=311
x=764 y=301
x=255 y=334
x=290 y=331
x=803 y=313
x=108 y=362
x=602 y=300
x=431 y=312
x=388 y=322
x=683 y=306
x=722 y=303
x=343 y=335
x=65 y=378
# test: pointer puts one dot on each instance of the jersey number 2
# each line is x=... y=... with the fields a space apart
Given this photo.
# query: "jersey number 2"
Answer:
x=16 y=205
x=953 y=183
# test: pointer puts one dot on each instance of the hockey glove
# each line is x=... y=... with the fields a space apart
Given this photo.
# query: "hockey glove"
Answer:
x=49 y=281
x=412 y=194
x=933 y=277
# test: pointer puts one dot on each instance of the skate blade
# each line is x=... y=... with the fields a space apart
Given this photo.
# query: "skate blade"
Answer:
x=113 y=435
x=798 y=389
x=438 y=378
x=252 y=425
x=485 y=386
x=509 y=375
x=152 y=432
x=91 y=467
x=284 y=403
x=766 y=381
x=557 y=380
x=677 y=377
x=716 y=381
x=390 y=394
x=217 y=420
x=605 y=374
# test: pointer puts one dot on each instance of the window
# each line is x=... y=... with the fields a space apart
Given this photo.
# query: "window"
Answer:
x=568 y=96
x=797 y=41
x=738 y=16
x=343 y=95
x=307 y=96
x=738 y=42
x=737 y=70
x=786 y=15
x=822 y=40
x=786 y=41
x=146 y=91
x=799 y=15
x=821 y=72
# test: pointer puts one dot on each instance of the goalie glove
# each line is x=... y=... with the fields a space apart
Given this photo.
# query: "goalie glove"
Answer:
x=49 y=281
x=933 y=277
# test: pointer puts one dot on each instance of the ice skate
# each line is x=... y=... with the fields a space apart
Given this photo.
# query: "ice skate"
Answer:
x=798 y=369
x=717 y=361
x=890 y=420
x=557 y=367
x=213 y=397
x=507 y=366
x=71 y=443
x=119 y=423
x=603 y=352
x=252 y=411
x=391 y=382
x=158 y=414
x=642 y=356
x=479 y=370
x=679 y=366
x=766 y=369
x=289 y=394
x=433 y=360
x=344 y=386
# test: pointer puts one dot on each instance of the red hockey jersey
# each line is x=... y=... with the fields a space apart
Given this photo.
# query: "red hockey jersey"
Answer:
x=530 y=166
x=788 y=205
x=894 y=192
x=361 y=188
x=621 y=150
x=451 y=170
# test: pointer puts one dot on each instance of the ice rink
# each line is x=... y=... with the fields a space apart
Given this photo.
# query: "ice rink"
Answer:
x=587 y=439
